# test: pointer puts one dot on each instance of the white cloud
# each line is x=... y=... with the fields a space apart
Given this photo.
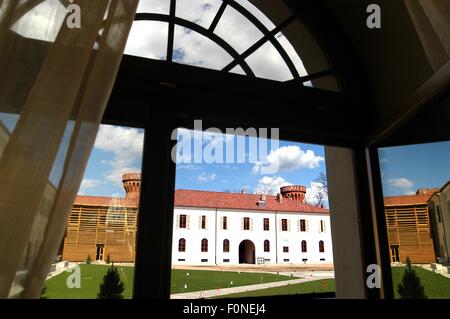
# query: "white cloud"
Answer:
x=312 y=193
x=288 y=158
x=410 y=192
x=205 y=177
x=126 y=145
x=399 y=182
x=88 y=184
x=271 y=185
x=149 y=39
x=189 y=167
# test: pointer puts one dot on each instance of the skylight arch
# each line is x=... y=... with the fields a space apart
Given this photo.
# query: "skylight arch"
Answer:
x=251 y=44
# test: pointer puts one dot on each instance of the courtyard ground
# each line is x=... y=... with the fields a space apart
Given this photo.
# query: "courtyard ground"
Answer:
x=215 y=279
x=182 y=281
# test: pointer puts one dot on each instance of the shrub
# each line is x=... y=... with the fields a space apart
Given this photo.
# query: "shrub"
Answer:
x=112 y=286
x=88 y=259
x=410 y=287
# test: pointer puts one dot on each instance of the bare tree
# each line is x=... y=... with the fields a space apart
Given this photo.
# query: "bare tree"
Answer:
x=322 y=189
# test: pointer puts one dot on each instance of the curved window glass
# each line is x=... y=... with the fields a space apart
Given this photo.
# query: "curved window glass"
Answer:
x=231 y=36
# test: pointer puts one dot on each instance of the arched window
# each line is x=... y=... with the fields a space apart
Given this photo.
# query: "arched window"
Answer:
x=266 y=246
x=204 y=245
x=226 y=246
x=304 y=246
x=321 y=247
x=182 y=245
x=232 y=36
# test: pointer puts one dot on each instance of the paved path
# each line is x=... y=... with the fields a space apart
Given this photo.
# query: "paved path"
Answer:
x=226 y=291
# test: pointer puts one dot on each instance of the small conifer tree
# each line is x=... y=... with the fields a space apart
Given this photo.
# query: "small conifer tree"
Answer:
x=410 y=287
x=88 y=259
x=112 y=286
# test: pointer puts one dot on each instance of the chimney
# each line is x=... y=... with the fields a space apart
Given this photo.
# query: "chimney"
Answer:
x=132 y=184
x=262 y=200
x=279 y=198
x=294 y=192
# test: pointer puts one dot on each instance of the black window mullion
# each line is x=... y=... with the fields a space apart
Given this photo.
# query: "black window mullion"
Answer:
x=173 y=4
x=219 y=14
x=261 y=42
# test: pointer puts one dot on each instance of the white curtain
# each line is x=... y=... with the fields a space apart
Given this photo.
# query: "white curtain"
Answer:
x=55 y=82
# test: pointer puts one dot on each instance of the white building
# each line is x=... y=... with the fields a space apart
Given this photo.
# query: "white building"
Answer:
x=213 y=228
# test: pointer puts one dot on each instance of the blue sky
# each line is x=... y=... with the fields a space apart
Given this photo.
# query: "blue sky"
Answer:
x=404 y=169
x=118 y=150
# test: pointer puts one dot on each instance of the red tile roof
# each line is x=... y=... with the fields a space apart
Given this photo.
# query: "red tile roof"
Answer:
x=105 y=201
x=406 y=200
x=206 y=199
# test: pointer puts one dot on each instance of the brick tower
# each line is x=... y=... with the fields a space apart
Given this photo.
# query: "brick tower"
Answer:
x=294 y=192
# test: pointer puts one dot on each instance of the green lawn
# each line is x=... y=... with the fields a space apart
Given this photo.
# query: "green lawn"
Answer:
x=207 y=280
x=436 y=286
x=317 y=286
x=92 y=275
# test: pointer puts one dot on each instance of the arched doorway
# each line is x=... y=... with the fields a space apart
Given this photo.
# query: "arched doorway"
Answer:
x=246 y=252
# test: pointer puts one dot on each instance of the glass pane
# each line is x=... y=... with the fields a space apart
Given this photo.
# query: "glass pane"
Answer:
x=154 y=6
x=101 y=228
x=287 y=46
x=306 y=47
x=416 y=190
x=238 y=70
x=239 y=218
x=194 y=49
x=257 y=13
x=43 y=22
x=148 y=39
x=267 y=63
x=237 y=30
x=198 y=11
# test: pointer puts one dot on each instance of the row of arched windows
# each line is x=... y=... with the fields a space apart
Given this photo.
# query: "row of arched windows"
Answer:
x=226 y=246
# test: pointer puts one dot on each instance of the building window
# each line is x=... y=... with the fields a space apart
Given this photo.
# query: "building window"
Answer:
x=322 y=226
x=183 y=221
x=266 y=246
x=266 y=224
x=304 y=246
x=224 y=223
x=285 y=249
x=204 y=245
x=321 y=247
x=246 y=223
x=226 y=246
x=302 y=225
x=182 y=245
x=284 y=224
x=203 y=222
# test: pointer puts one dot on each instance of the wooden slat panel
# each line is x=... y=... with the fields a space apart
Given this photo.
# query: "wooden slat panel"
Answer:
x=409 y=229
x=89 y=226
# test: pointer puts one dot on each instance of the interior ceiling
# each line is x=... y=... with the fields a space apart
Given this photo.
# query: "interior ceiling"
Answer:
x=374 y=66
x=393 y=56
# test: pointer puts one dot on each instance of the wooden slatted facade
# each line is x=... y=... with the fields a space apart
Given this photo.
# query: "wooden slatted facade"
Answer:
x=99 y=231
x=409 y=231
x=102 y=226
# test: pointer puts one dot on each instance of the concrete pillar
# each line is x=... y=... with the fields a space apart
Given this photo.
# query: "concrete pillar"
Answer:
x=345 y=223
